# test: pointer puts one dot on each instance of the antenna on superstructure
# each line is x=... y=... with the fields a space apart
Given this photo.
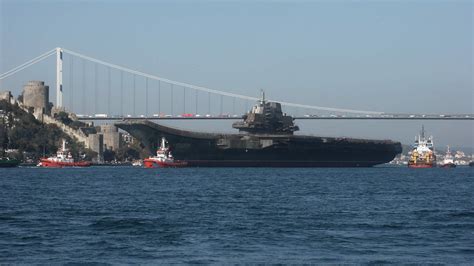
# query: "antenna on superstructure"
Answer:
x=423 y=131
x=263 y=96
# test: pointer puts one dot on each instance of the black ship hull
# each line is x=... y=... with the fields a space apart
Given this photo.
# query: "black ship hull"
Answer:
x=8 y=163
x=251 y=150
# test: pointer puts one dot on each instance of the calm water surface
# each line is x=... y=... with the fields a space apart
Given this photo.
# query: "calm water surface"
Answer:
x=232 y=215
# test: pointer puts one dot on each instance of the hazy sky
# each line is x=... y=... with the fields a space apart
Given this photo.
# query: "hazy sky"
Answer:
x=390 y=56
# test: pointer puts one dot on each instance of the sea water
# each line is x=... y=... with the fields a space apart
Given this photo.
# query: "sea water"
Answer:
x=236 y=215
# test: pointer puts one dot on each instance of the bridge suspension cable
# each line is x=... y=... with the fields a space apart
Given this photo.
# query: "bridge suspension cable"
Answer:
x=222 y=93
x=27 y=64
x=176 y=83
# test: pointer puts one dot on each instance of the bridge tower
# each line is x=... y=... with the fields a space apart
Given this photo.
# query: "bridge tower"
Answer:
x=59 y=77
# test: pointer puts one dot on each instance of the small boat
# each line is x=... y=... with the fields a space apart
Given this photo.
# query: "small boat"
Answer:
x=448 y=161
x=137 y=163
x=5 y=161
x=63 y=158
x=163 y=158
x=8 y=162
x=422 y=155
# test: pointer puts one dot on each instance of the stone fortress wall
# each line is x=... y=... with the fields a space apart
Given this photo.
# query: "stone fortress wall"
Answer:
x=36 y=95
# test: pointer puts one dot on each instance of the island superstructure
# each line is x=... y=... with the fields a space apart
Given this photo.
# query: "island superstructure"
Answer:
x=266 y=118
x=266 y=139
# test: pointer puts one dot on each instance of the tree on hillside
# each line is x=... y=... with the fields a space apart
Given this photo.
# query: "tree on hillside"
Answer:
x=63 y=117
x=127 y=154
x=30 y=135
x=109 y=155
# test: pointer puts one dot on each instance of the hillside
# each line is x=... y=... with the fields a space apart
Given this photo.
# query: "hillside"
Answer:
x=19 y=130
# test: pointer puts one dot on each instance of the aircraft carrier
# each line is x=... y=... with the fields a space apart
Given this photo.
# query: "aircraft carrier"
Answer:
x=266 y=139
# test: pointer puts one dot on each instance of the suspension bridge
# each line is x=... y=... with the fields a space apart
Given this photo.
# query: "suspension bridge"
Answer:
x=108 y=91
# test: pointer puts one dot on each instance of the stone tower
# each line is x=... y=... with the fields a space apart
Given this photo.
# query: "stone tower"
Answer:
x=36 y=95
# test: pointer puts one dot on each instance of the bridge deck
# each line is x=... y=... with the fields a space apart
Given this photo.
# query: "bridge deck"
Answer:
x=434 y=117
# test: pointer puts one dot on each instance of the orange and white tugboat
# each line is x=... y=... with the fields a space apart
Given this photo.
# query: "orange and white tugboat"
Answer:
x=422 y=155
x=63 y=158
x=448 y=161
x=163 y=158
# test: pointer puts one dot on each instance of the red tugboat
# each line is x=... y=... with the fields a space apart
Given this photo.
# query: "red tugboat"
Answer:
x=163 y=158
x=63 y=158
x=422 y=155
